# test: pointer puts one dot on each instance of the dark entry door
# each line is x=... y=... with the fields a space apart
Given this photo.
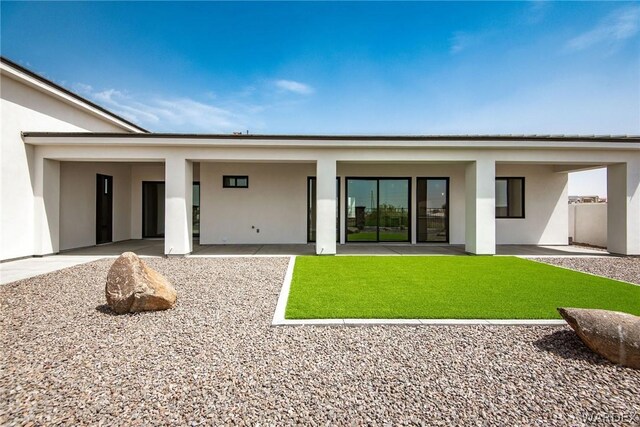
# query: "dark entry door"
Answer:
x=433 y=210
x=152 y=209
x=104 y=209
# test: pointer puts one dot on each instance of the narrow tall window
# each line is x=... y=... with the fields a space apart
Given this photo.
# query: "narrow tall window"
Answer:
x=433 y=209
x=509 y=197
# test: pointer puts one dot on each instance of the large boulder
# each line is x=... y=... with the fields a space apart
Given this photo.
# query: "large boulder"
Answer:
x=132 y=286
x=611 y=334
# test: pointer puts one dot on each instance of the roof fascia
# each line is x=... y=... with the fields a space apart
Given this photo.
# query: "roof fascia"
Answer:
x=151 y=140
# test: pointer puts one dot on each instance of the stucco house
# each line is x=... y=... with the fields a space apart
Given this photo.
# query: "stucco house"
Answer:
x=76 y=175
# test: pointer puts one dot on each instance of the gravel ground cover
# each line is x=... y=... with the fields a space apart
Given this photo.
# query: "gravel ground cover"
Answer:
x=619 y=268
x=214 y=359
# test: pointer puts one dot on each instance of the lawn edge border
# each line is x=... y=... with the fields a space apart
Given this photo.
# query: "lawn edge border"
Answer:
x=419 y=322
x=283 y=298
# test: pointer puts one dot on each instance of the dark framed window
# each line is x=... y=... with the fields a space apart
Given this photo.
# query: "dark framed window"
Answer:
x=235 y=181
x=510 y=197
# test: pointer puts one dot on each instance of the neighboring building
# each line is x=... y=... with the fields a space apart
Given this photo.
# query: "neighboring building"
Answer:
x=587 y=199
x=75 y=175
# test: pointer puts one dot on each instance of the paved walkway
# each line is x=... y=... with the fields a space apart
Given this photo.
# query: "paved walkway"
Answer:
x=11 y=271
x=29 y=267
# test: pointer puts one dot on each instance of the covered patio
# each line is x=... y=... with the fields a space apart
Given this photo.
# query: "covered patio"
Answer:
x=281 y=195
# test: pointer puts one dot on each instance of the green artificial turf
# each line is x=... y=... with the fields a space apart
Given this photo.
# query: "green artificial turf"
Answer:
x=446 y=287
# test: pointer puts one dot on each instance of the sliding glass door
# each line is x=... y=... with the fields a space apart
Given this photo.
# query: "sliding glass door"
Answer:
x=378 y=209
x=433 y=210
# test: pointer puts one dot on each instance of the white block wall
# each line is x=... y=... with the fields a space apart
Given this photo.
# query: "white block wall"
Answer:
x=588 y=223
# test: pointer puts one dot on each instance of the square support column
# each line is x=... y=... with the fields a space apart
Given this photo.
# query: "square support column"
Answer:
x=326 y=206
x=623 y=208
x=178 y=226
x=46 y=192
x=480 y=207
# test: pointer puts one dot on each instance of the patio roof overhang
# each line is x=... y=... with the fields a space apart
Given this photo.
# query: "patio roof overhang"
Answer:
x=582 y=142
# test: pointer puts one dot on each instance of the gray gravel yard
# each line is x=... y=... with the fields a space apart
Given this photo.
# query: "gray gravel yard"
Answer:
x=619 y=268
x=215 y=359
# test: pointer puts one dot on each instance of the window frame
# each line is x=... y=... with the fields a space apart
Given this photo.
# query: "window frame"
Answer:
x=507 y=179
x=235 y=177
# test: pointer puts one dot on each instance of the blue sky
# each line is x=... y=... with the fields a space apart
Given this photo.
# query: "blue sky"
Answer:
x=343 y=68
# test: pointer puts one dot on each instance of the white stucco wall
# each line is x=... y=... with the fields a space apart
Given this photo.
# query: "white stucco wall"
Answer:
x=279 y=191
x=546 y=209
x=227 y=215
x=23 y=108
x=588 y=223
x=275 y=203
x=78 y=202
x=623 y=206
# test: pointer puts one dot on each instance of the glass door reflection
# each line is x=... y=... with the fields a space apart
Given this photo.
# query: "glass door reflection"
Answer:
x=378 y=209
x=433 y=210
x=393 y=210
x=362 y=210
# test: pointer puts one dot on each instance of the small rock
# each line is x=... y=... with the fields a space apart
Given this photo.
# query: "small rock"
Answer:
x=132 y=286
x=612 y=334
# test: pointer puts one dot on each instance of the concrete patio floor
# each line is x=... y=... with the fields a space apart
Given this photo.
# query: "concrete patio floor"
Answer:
x=155 y=247
x=11 y=271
